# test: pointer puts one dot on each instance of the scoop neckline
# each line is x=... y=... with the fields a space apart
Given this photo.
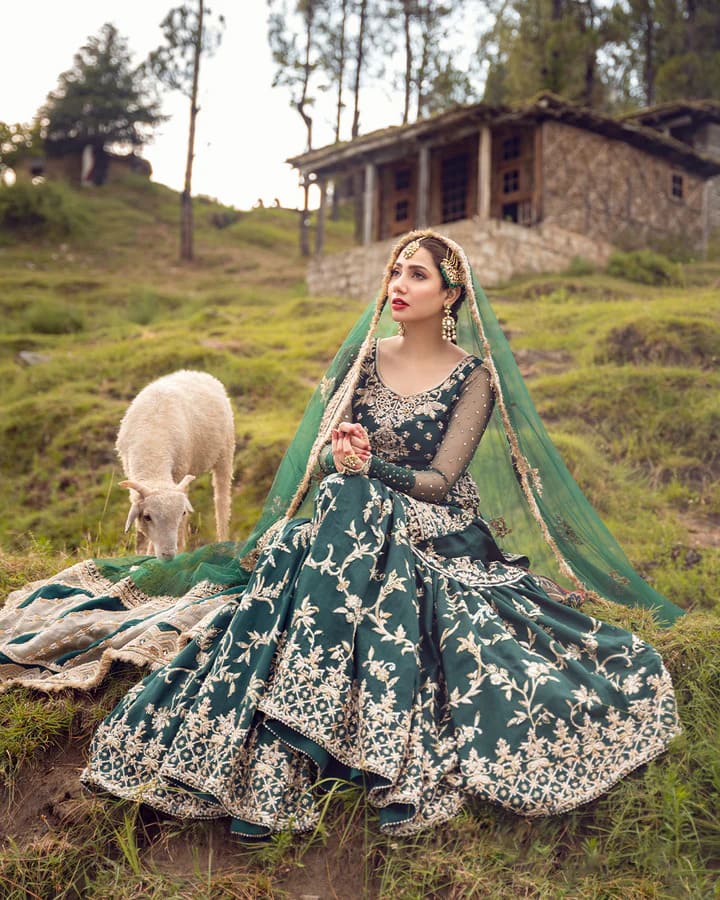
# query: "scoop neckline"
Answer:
x=419 y=393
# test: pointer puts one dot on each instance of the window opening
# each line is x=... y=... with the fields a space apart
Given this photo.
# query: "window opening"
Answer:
x=454 y=182
x=402 y=179
x=402 y=210
x=511 y=181
x=511 y=147
x=677 y=186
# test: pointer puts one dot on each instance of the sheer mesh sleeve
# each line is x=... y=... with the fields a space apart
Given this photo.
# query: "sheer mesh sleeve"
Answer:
x=468 y=421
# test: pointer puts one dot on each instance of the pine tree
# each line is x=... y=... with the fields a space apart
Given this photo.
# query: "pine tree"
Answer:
x=102 y=100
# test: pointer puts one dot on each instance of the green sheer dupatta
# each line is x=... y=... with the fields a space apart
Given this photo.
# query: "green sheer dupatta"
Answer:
x=528 y=496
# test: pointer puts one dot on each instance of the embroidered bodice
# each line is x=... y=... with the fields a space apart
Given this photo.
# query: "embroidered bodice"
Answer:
x=422 y=443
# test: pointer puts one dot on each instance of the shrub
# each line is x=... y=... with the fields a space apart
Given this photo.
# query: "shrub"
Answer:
x=580 y=266
x=48 y=317
x=47 y=208
x=646 y=267
x=666 y=341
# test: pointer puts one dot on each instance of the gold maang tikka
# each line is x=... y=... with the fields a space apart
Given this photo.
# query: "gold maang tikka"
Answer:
x=411 y=248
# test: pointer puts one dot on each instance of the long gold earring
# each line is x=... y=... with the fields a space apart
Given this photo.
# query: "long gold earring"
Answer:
x=449 y=332
x=401 y=329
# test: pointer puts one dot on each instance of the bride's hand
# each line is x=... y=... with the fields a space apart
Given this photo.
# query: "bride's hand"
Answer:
x=349 y=439
x=358 y=436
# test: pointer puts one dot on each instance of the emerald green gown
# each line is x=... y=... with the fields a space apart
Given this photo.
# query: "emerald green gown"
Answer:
x=389 y=641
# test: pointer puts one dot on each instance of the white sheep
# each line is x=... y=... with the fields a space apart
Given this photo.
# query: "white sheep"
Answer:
x=176 y=428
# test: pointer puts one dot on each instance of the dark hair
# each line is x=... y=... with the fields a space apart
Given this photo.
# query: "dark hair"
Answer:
x=438 y=250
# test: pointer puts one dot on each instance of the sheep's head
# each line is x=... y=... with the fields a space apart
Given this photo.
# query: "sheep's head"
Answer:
x=159 y=513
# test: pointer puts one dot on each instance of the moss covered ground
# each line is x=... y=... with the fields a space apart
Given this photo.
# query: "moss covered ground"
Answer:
x=625 y=376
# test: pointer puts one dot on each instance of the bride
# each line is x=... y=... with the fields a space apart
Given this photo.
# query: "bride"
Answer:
x=383 y=624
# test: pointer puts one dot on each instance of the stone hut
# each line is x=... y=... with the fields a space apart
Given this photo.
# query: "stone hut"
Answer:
x=83 y=167
x=694 y=122
x=524 y=189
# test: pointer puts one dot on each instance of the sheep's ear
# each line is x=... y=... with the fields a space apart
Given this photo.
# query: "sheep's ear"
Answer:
x=134 y=486
x=188 y=506
x=182 y=486
x=132 y=515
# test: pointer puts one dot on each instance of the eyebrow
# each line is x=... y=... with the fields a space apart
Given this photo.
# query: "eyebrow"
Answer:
x=412 y=266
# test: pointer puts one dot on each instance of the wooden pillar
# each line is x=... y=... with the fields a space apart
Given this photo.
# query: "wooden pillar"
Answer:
x=320 y=229
x=537 y=213
x=484 y=173
x=423 y=188
x=369 y=206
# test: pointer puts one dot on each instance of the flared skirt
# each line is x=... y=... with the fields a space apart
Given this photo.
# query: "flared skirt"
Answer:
x=357 y=651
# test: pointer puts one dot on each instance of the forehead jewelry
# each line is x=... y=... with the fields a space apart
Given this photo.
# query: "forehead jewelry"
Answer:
x=410 y=249
x=451 y=269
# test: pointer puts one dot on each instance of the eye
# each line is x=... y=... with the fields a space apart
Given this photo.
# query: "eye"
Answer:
x=146 y=517
x=184 y=512
x=419 y=274
x=395 y=272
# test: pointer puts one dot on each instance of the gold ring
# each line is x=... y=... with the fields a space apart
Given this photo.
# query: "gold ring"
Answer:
x=352 y=461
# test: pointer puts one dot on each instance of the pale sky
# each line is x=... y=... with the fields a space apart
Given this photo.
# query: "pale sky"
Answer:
x=246 y=128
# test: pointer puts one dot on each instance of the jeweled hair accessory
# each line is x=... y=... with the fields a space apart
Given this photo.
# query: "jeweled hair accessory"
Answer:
x=411 y=248
x=452 y=269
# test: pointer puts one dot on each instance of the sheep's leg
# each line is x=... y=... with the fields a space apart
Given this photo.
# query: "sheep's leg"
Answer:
x=222 y=494
x=182 y=534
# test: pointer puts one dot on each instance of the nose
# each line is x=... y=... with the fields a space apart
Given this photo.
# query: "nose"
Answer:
x=398 y=283
x=166 y=554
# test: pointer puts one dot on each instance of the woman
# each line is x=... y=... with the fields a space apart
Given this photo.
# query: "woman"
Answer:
x=386 y=638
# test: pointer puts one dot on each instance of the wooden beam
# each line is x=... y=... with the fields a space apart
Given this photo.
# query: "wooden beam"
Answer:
x=423 y=188
x=320 y=229
x=369 y=217
x=484 y=173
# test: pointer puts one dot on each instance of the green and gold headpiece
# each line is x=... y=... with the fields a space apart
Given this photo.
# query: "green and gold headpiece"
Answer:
x=452 y=270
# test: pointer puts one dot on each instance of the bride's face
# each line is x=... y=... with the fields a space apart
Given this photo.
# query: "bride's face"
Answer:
x=416 y=290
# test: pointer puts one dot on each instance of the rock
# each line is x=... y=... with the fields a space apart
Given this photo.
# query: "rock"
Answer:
x=31 y=358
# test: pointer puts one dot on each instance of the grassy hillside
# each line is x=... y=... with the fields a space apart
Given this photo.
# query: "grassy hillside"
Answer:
x=626 y=377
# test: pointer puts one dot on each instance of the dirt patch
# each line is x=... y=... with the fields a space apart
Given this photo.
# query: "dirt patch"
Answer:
x=542 y=362
x=702 y=531
x=42 y=795
x=46 y=803
x=326 y=872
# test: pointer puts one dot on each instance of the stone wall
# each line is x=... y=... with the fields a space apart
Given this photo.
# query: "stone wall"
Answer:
x=713 y=202
x=707 y=141
x=614 y=192
x=497 y=251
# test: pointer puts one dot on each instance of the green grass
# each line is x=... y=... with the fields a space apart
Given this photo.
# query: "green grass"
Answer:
x=626 y=378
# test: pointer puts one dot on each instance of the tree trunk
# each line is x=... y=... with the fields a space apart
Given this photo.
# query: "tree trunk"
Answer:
x=300 y=106
x=649 y=57
x=425 y=14
x=305 y=220
x=357 y=176
x=359 y=60
x=186 y=210
x=335 y=210
x=408 y=60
